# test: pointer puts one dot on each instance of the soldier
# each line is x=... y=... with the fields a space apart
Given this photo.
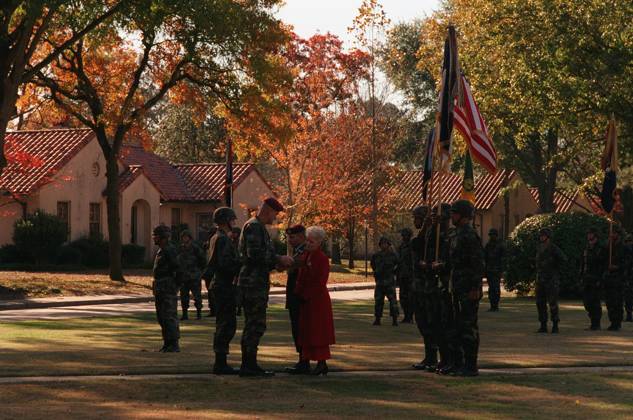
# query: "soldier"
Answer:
x=297 y=240
x=466 y=261
x=418 y=245
x=614 y=280
x=405 y=275
x=191 y=259
x=593 y=266
x=549 y=259
x=235 y=237
x=494 y=257
x=384 y=264
x=224 y=265
x=166 y=274
x=210 y=298
x=628 y=281
x=259 y=259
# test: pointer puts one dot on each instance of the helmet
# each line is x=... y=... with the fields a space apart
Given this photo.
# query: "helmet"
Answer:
x=545 y=232
x=420 y=211
x=186 y=232
x=493 y=232
x=162 y=231
x=406 y=232
x=464 y=208
x=223 y=215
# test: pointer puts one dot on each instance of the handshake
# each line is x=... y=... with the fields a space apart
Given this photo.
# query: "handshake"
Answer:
x=284 y=262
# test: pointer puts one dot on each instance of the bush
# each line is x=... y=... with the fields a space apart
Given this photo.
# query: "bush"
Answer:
x=569 y=233
x=67 y=255
x=94 y=251
x=133 y=255
x=9 y=254
x=39 y=236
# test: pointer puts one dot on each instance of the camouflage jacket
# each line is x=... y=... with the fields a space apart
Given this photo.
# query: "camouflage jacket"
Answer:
x=224 y=262
x=593 y=264
x=619 y=259
x=417 y=250
x=495 y=253
x=191 y=260
x=384 y=264
x=466 y=259
x=438 y=278
x=549 y=259
x=405 y=261
x=293 y=273
x=257 y=253
x=166 y=270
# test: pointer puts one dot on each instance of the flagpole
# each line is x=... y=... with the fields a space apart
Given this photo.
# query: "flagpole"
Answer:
x=438 y=216
x=228 y=192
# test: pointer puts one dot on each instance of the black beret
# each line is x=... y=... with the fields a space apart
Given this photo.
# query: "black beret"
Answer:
x=274 y=204
x=295 y=229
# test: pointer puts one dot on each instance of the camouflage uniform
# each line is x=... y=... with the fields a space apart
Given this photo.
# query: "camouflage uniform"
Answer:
x=405 y=278
x=467 y=267
x=192 y=261
x=384 y=264
x=293 y=302
x=259 y=259
x=494 y=256
x=614 y=285
x=592 y=269
x=628 y=281
x=166 y=273
x=223 y=266
x=549 y=259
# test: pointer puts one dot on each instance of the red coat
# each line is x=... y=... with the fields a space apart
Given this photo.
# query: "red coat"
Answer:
x=316 y=322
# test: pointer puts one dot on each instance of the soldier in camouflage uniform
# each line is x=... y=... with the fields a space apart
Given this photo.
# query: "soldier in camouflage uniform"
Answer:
x=466 y=261
x=384 y=264
x=405 y=275
x=421 y=221
x=192 y=260
x=614 y=280
x=494 y=252
x=628 y=281
x=549 y=259
x=259 y=259
x=166 y=274
x=235 y=237
x=210 y=298
x=224 y=265
x=593 y=265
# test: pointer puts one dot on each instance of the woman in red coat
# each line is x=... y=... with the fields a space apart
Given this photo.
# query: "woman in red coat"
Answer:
x=316 y=322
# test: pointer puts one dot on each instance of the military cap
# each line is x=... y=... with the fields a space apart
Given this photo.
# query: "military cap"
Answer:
x=545 y=232
x=384 y=239
x=186 y=232
x=493 y=232
x=295 y=229
x=420 y=211
x=274 y=204
x=406 y=232
x=464 y=208
x=223 y=215
x=162 y=231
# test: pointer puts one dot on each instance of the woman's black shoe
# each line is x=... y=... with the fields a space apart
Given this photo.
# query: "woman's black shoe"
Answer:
x=320 y=369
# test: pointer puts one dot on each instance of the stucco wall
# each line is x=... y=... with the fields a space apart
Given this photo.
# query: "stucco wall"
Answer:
x=10 y=211
x=148 y=209
x=248 y=195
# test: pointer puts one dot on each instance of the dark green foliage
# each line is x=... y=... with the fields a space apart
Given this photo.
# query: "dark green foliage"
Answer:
x=9 y=254
x=569 y=233
x=133 y=255
x=94 y=251
x=38 y=237
x=68 y=255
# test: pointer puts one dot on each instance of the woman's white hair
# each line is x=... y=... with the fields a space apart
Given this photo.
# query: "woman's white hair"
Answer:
x=317 y=232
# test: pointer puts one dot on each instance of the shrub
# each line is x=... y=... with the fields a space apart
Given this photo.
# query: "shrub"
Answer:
x=9 y=254
x=94 y=251
x=569 y=233
x=39 y=236
x=133 y=255
x=67 y=255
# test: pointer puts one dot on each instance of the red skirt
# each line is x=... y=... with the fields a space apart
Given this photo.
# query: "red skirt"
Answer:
x=316 y=353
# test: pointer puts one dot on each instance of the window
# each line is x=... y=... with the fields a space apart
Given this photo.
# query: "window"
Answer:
x=175 y=217
x=63 y=212
x=95 y=219
x=204 y=222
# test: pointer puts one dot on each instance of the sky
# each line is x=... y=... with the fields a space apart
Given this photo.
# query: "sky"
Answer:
x=311 y=16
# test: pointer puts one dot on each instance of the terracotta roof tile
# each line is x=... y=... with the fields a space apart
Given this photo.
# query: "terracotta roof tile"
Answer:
x=206 y=181
x=563 y=202
x=38 y=155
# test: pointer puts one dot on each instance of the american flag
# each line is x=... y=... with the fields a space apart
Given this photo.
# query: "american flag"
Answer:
x=469 y=122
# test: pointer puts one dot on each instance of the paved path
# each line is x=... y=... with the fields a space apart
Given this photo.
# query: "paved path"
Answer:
x=126 y=309
x=376 y=373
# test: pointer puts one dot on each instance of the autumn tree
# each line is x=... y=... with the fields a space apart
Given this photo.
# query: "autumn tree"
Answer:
x=110 y=79
x=28 y=47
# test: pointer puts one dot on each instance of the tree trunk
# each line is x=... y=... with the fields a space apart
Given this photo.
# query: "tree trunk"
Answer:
x=351 y=236
x=114 y=219
x=4 y=123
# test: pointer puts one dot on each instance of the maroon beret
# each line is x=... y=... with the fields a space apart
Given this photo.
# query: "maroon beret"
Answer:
x=274 y=204
x=295 y=229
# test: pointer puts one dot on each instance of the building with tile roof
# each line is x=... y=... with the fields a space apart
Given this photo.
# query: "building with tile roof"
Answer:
x=63 y=172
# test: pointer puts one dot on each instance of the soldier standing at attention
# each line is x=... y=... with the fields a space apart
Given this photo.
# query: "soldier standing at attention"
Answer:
x=405 y=275
x=614 y=280
x=593 y=265
x=549 y=259
x=259 y=259
x=297 y=240
x=494 y=257
x=165 y=287
x=384 y=264
x=466 y=261
x=192 y=260
x=235 y=237
x=210 y=298
x=628 y=281
x=224 y=265
x=418 y=244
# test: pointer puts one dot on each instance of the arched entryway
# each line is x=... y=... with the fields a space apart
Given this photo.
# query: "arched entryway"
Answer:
x=141 y=226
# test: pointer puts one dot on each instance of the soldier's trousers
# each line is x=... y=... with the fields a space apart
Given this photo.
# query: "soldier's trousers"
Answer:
x=614 y=301
x=254 y=304
x=406 y=298
x=494 y=288
x=191 y=285
x=628 y=297
x=591 y=300
x=210 y=297
x=428 y=321
x=547 y=294
x=447 y=336
x=380 y=292
x=293 y=311
x=167 y=315
x=225 y=317
x=466 y=321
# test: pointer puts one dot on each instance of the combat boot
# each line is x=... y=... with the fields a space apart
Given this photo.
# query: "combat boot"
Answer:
x=395 y=321
x=172 y=347
x=185 y=315
x=250 y=368
x=629 y=316
x=302 y=367
x=543 y=328
x=220 y=367
x=376 y=321
x=614 y=327
x=199 y=314
x=555 y=327
x=162 y=349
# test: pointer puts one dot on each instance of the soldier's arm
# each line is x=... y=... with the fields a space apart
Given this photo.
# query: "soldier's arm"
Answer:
x=172 y=261
x=227 y=261
x=200 y=257
x=254 y=248
x=475 y=261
